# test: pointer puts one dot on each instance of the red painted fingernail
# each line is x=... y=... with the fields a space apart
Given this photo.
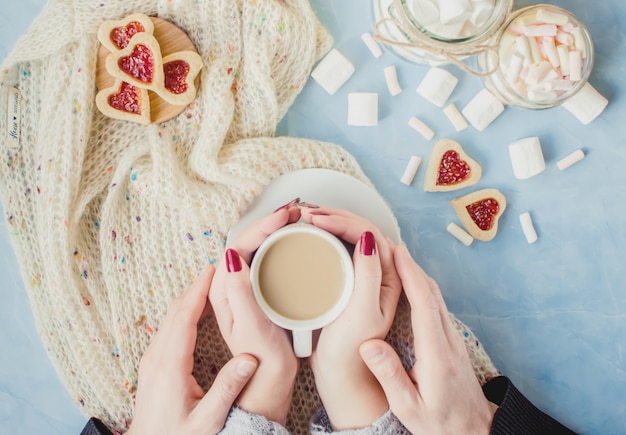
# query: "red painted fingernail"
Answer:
x=233 y=262
x=368 y=243
x=289 y=204
x=319 y=213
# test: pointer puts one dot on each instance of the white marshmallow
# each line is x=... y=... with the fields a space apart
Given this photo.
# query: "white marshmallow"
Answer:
x=541 y=96
x=411 y=170
x=565 y=38
x=540 y=30
x=559 y=85
x=426 y=10
x=421 y=128
x=521 y=43
x=455 y=117
x=534 y=49
x=333 y=71
x=391 y=78
x=452 y=30
x=538 y=72
x=570 y=159
x=452 y=11
x=460 y=234
x=551 y=17
x=527 y=227
x=527 y=158
x=563 y=59
x=481 y=13
x=515 y=66
x=437 y=86
x=549 y=49
x=587 y=104
x=372 y=45
x=575 y=65
x=579 y=41
x=483 y=109
x=363 y=109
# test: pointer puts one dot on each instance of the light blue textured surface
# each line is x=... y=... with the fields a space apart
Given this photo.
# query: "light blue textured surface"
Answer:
x=552 y=315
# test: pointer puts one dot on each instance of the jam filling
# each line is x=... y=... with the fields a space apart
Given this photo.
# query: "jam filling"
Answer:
x=452 y=169
x=176 y=76
x=127 y=99
x=139 y=64
x=483 y=212
x=120 y=36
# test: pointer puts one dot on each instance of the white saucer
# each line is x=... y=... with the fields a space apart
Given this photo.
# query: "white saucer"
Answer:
x=323 y=187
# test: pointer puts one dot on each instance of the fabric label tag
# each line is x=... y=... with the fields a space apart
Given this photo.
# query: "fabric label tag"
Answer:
x=14 y=118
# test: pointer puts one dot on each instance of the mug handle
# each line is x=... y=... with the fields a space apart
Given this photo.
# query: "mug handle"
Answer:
x=302 y=343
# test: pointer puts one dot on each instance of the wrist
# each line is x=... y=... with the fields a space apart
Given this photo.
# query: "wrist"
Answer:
x=269 y=391
x=352 y=396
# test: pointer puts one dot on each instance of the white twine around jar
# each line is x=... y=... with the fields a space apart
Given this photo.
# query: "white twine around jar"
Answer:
x=446 y=50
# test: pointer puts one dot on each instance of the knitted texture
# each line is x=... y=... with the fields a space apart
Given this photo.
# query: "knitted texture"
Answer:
x=111 y=220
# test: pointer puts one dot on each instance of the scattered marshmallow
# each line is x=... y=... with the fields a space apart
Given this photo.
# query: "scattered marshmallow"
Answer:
x=482 y=110
x=460 y=234
x=421 y=128
x=391 y=77
x=437 y=86
x=372 y=45
x=528 y=228
x=363 y=109
x=527 y=158
x=411 y=170
x=570 y=159
x=333 y=71
x=455 y=117
x=587 y=104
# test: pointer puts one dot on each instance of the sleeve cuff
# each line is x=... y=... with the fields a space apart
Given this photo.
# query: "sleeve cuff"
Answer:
x=95 y=427
x=516 y=414
x=387 y=424
x=240 y=422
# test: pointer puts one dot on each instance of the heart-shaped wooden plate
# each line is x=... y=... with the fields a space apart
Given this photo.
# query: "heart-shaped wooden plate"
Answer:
x=172 y=39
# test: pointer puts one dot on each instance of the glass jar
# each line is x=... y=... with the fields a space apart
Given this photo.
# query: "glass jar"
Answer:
x=543 y=82
x=403 y=26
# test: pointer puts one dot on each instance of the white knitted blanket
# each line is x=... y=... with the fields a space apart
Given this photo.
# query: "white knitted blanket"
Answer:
x=110 y=220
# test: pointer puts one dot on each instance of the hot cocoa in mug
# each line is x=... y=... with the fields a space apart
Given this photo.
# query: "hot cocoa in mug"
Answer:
x=302 y=278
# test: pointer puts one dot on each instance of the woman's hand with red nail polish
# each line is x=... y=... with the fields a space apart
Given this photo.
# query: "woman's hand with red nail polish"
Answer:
x=169 y=399
x=351 y=395
x=247 y=330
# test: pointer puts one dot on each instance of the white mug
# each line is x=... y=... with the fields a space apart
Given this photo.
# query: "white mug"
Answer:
x=302 y=328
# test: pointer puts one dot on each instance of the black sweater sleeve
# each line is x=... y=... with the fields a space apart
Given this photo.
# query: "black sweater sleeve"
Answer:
x=516 y=415
x=95 y=427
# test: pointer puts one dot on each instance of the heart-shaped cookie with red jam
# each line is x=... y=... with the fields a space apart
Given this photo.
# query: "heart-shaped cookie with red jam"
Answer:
x=125 y=101
x=180 y=71
x=115 y=35
x=139 y=64
x=450 y=168
x=480 y=211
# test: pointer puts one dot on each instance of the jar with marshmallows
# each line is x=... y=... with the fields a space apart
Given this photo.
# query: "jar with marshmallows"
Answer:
x=544 y=56
x=436 y=32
